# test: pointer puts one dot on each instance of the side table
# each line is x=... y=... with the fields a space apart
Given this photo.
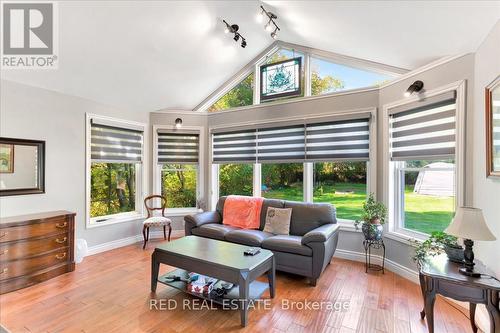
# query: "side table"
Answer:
x=373 y=244
x=438 y=275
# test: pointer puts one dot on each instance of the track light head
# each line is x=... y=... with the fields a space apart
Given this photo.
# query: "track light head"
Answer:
x=243 y=43
x=415 y=87
x=226 y=30
x=260 y=16
x=274 y=34
x=268 y=27
x=236 y=37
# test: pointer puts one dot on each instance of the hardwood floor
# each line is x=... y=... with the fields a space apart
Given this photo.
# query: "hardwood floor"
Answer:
x=109 y=292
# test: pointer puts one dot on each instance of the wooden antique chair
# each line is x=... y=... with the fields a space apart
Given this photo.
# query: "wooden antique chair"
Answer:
x=156 y=221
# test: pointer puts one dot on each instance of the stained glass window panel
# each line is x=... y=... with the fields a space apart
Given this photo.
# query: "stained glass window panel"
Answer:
x=280 y=79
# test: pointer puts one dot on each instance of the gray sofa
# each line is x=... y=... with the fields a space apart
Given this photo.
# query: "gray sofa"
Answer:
x=306 y=251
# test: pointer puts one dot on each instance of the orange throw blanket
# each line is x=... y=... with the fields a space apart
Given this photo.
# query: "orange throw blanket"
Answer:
x=242 y=212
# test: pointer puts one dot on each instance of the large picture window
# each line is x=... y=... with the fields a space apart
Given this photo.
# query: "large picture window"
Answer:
x=235 y=179
x=342 y=184
x=283 y=181
x=115 y=172
x=178 y=185
x=425 y=194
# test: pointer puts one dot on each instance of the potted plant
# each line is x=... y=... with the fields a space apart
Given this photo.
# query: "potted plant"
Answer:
x=373 y=218
x=437 y=243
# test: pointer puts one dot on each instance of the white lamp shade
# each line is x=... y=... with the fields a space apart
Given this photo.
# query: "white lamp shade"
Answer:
x=469 y=223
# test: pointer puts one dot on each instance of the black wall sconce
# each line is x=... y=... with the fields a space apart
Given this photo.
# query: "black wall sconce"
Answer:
x=415 y=87
x=178 y=123
x=233 y=28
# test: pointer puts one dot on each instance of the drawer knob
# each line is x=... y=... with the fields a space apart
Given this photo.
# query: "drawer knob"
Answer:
x=3 y=235
x=61 y=241
x=61 y=256
x=5 y=270
x=61 y=225
x=4 y=252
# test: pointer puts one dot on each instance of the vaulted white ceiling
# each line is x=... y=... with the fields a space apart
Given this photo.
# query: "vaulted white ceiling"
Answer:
x=147 y=56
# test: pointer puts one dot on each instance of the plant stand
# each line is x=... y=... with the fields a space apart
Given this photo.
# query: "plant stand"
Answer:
x=375 y=244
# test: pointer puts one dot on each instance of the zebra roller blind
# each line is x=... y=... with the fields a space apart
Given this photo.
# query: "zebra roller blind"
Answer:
x=178 y=148
x=235 y=146
x=424 y=130
x=114 y=144
x=281 y=144
x=338 y=140
x=323 y=141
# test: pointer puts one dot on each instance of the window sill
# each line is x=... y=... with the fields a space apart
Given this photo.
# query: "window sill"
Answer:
x=405 y=237
x=175 y=212
x=347 y=225
x=114 y=220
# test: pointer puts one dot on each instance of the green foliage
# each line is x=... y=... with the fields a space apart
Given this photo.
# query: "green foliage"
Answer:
x=281 y=175
x=434 y=245
x=236 y=179
x=324 y=85
x=179 y=185
x=240 y=95
x=333 y=172
x=372 y=210
x=112 y=188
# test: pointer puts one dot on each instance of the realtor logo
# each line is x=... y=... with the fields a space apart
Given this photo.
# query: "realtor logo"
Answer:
x=29 y=35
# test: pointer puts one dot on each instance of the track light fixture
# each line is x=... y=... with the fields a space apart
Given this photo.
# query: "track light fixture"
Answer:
x=415 y=87
x=234 y=30
x=271 y=25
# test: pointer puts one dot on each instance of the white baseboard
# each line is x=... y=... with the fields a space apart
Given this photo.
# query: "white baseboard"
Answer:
x=390 y=265
x=129 y=241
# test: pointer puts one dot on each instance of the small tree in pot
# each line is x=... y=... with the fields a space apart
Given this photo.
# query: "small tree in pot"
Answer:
x=374 y=215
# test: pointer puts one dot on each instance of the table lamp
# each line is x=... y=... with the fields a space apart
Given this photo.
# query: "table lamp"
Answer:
x=470 y=225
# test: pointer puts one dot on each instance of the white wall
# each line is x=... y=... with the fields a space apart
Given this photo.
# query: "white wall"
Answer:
x=486 y=192
x=33 y=113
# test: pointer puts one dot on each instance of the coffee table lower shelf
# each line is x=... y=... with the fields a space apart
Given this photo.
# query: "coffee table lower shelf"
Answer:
x=256 y=289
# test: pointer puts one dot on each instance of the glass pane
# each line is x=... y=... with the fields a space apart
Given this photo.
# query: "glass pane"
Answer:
x=343 y=184
x=178 y=185
x=236 y=179
x=240 y=95
x=112 y=188
x=283 y=181
x=328 y=77
x=281 y=79
x=429 y=195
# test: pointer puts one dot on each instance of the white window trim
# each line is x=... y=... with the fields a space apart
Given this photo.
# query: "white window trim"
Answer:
x=141 y=173
x=200 y=181
x=371 y=169
x=395 y=232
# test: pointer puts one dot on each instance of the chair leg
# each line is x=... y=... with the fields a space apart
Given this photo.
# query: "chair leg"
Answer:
x=144 y=236
x=147 y=238
x=165 y=232
x=169 y=231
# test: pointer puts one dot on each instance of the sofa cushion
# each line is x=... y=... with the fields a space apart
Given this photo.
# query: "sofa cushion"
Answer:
x=213 y=230
x=286 y=243
x=278 y=220
x=309 y=216
x=247 y=237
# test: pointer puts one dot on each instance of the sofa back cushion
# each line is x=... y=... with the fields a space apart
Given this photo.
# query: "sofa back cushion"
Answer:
x=267 y=203
x=309 y=216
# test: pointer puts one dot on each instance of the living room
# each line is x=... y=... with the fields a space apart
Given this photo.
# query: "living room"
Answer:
x=285 y=166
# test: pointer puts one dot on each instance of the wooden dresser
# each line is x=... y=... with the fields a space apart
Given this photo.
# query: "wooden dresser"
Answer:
x=35 y=248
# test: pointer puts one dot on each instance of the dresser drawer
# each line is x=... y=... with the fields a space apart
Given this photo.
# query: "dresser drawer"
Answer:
x=55 y=225
x=31 y=247
x=15 y=268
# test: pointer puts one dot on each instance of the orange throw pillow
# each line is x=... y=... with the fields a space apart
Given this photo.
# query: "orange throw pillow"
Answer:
x=242 y=212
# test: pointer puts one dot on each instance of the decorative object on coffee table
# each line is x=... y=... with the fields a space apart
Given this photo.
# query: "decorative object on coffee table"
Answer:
x=156 y=221
x=373 y=219
x=217 y=259
x=375 y=244
x=438 y=275
x=470 y=225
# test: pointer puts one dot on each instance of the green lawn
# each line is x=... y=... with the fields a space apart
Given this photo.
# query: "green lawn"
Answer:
x=424 y=213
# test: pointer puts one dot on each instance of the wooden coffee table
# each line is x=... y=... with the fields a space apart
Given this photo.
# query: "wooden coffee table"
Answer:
x=218 y=259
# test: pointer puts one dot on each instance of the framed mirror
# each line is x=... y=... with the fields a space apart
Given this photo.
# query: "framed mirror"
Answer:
x=22 y=166
x=493 y=128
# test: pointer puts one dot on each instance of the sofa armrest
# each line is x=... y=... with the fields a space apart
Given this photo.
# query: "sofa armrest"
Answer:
x=320 y=234
x=202 y=218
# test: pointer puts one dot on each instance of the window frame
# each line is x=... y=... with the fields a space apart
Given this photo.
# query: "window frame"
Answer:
x=308 y=174
x=390 y=171
x=141 y=173
x=200 y=174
